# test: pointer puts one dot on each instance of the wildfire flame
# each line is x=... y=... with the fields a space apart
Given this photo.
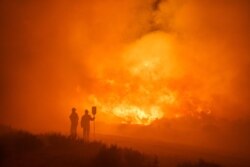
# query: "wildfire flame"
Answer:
x=139 y=92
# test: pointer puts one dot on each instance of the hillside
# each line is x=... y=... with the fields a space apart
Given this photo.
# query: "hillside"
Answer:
x=21 y=148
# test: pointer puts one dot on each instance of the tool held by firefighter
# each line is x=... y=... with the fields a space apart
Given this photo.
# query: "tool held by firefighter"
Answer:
x=94 y=113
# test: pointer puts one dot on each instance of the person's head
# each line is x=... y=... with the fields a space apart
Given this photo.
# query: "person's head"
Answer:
x=73 y=109
x=86 y=112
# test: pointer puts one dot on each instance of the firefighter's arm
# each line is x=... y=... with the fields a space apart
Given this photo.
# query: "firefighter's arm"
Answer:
x=92 y=118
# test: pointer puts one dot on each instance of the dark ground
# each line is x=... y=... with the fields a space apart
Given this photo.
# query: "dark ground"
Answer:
x=23 y=149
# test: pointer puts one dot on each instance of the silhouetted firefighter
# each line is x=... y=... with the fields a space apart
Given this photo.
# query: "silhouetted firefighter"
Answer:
x=74 y=122
x=85 y=124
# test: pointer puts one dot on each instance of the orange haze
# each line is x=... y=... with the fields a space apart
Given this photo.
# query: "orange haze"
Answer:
x=142 y=62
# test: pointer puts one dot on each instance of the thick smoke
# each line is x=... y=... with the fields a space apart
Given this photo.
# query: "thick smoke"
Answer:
x=58 y=54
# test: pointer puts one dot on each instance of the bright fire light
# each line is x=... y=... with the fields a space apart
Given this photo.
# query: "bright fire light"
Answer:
x=140 y=96
x=144 y=86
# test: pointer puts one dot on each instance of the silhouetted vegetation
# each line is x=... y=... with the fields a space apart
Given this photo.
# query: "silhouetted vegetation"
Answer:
x=200 y=163
x=19 y=148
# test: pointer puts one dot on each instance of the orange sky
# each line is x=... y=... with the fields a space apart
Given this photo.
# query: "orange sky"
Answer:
x=138 y=61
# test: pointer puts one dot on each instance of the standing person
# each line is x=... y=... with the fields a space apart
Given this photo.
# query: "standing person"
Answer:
x=85 y=124
x=74 y=122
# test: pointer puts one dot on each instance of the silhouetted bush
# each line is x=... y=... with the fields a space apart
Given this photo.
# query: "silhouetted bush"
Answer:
x=20 y=142
x=109 y=156
x=2 y=157
x=200 y=163
x=56 y=141
x=18 y=148
x=117 y=157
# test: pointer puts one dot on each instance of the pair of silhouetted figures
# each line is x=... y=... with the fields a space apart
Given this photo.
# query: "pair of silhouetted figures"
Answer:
x=85 y=124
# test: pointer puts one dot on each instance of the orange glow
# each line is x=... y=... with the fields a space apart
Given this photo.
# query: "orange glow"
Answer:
x=138 y=96
x=141 y=90
x=174 y=71
x=171 y=67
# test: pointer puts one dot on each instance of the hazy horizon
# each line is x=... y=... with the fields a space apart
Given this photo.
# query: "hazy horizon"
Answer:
x=166 y=70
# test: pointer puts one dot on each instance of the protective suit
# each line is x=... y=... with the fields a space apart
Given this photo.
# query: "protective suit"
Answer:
x=74 y=122
x=85 y=124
